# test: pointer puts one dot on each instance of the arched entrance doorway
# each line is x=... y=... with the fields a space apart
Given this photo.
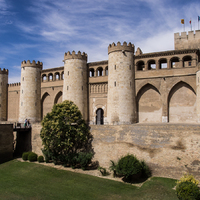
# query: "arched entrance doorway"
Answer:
x=99 y=116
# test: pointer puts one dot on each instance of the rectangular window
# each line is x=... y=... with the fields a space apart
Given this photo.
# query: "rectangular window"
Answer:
x=189 y=64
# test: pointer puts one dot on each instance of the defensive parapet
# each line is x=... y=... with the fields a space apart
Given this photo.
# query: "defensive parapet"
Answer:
x=113 y=47
x=187 y=41
x=3 y=94
x=3 y=71
x=30 y=91
x=73 y=55
x=33 y=64
x=75 y=85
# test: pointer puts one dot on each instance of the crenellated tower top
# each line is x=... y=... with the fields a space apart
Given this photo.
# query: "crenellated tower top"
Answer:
x=33 y=64
x=3 y=71
x=73 y=55
x=113 y=47
x=187 y=41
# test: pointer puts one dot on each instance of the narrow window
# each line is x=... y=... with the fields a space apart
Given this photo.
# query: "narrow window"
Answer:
x=23 y=79
x=115 y=67
x=189 y=63
x=130 y=67
x=22 y=91
x=35 y=91
x=130 y=84
x=0 y=94
x=115 y=83
x=67 y=87
x=35 y=103
x=21 y=103
x=0 y=105
x=82 y=87
x=35 y=79
x=68 y=73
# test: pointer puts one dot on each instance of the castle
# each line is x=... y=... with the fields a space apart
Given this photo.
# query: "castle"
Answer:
x=160 y=90
x=127 y=88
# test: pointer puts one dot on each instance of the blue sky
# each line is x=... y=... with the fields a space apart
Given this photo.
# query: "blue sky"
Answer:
x=45 y=29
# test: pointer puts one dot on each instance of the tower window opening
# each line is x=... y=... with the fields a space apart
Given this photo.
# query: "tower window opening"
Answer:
x=35 y=103
x=35 y=79
x=67 y=87
x=68 y=73
x=23 y=79
x=22 y=91
x=130 y=84
x=115 y=67
x=115 y=83
x=130 y=67
x=21 y=103
x=82 y=87
x=35 y=91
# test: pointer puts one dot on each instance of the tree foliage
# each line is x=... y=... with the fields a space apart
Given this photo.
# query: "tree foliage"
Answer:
x=64 y=131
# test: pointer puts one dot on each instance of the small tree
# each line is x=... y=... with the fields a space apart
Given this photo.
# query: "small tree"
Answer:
x=64 y=132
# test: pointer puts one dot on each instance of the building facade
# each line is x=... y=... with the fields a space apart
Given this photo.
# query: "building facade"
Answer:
x=129 y=87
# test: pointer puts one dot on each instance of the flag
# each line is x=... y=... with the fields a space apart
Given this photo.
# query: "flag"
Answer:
x=182 y=21
x=198 y=18
x=190 y=21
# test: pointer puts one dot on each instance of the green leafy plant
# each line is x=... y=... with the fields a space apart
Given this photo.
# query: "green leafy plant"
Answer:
x=128 y=166
x=40 y=159
x=25 y=155
x=189 y=178
x=103 y=171
x=113 y=167
x=187 y=191
x=64 y=133
x=84 y=158
x=32 y=157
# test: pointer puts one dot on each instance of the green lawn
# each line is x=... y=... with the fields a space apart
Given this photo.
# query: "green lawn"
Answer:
x=24 y=180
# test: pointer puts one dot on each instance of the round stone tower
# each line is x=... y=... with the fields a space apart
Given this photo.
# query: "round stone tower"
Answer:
x=76 y=81
x=30 y=91
x=121 y=84
x=3 y=94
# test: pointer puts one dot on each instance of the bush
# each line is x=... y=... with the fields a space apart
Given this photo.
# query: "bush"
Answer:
x=64 y=132
x=84 y=158
x=128 y=166
x=189 y=178
x=25 y=155
x=32 y=157
x=187 y=191
x=41 y=159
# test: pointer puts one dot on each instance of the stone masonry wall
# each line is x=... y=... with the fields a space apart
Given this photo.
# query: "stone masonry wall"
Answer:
x=6 y=142
x=169 y=149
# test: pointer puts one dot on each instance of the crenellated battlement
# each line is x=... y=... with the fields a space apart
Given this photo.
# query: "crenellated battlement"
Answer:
x=187 y=41
x=14 y=84
x=33 y=64
x=73 y=55
x=4 y=71
x=113 y=47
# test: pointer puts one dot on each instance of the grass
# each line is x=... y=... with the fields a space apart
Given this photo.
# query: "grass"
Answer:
x=24 y=180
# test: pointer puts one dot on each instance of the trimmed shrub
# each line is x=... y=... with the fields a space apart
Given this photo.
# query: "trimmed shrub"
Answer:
x=41 y=159
x=187 y=191
x=32 y=157
x=25 y=155
x=128 y=166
